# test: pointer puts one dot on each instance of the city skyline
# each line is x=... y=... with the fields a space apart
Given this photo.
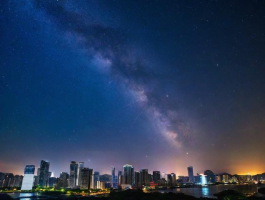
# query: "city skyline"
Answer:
x=161 y=85
x=82 y=177
x=110 y=171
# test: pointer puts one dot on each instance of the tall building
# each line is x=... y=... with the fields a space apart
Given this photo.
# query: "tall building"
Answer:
x=98 y=185
x=210 y=177
x=150 y=178
x=137 y=179
x=8 y=180
x=120 y=178
x=44 y=173
x=28 y=179
x=171 y=179
x=2 y=178
x=73 y=174
x=156 y=176
x=64 y=177
x=96 y=179
x=18 y=180
x=203 y=179
x=114 y=183
x=86 y=178
x=174 y=179
x=144 y=176
x=37 y=178
x=191 y=175
x=52 y=181
x=80 y=166
x=128 y=172
x=36 y=181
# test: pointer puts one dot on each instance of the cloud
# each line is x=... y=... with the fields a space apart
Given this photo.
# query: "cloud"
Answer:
x=108 y=49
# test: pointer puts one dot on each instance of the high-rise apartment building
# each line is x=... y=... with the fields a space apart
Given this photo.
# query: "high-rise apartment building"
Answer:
x=86 y=178
x=73 y=174
x=144 y=177
x=128 y=173
x=137 y=182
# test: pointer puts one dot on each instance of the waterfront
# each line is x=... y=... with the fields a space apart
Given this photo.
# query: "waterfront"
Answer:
x=209 y=191
x=35 y=196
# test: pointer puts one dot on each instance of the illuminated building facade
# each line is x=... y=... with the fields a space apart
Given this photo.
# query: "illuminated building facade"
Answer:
x=96 y=179
x=80 y=166
x=203 y=179
x=114 y=179
x=28 y=179
x=210 y=176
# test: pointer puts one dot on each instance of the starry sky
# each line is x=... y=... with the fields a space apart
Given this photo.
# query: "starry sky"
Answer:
x=157 y=84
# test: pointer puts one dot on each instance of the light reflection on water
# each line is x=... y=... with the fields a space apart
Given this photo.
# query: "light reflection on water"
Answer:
x=26 y=195
x=23 y=196
x=205 y=191
x=209 y=191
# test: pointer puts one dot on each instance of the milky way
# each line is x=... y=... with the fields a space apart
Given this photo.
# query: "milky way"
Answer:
x=157 y=84
x=108 y=47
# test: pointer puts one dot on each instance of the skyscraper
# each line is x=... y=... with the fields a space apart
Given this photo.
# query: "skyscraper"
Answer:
x=96 y=179
x=171 y=179
x=128 y=172
x=73 y=174
x=28 y=179
x=190 y=173
x=156 y=176
x=174 y=179
x=44 y=173
x=144 y=176
x=120 y=178
x=80 y=166
x=137 y=179
x=64 y=177
x=112 y=176
x=86 y=178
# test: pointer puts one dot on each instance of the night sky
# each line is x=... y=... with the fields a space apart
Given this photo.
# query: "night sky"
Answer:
x=157 y=84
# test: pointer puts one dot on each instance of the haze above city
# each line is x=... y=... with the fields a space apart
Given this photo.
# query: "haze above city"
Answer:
x=160 y=85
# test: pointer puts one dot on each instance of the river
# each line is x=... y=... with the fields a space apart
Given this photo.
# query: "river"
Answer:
x=207 y=191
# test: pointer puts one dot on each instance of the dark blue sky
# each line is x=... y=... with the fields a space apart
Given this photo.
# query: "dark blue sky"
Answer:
x=157 y=84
